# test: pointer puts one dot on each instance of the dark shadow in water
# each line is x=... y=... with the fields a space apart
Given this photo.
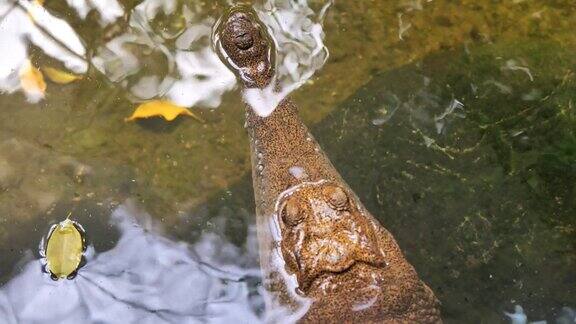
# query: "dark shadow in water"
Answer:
x=159 y=124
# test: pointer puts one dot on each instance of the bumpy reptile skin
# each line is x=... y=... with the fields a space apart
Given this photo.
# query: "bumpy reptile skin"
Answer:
x=332 y=251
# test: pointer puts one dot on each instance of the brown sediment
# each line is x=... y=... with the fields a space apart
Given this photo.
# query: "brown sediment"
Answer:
x=323 y=254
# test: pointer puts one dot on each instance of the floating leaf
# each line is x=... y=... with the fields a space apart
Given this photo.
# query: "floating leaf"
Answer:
x=32 y=82
x=59 y=76
x=160 y=108
x=64 y=249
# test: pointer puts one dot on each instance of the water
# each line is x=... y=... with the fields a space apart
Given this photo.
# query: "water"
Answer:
x=464 y=111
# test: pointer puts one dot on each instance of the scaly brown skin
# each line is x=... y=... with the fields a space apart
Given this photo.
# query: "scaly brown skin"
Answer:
x=325 y=257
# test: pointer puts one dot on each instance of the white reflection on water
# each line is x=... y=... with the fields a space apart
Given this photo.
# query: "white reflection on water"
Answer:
x=190 y=72
x=155 y=62
x=300 y=51
x=298 y=33
x=566 y=315
x=108 y=10
x=145 y=278
x=24 y=23
x=199 y=77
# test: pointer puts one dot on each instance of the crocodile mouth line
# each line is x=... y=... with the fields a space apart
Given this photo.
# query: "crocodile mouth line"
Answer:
x=334 y=276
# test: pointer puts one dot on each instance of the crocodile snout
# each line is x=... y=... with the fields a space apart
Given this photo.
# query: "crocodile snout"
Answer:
x=241 y=30
x=243 y=43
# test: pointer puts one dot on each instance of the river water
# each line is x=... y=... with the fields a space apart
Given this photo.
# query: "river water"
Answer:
x=454 y=122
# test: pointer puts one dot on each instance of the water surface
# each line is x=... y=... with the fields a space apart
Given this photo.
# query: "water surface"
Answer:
x=453 y=121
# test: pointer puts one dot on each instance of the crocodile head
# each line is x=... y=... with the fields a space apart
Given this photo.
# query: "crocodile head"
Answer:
x=349 y=265
x=244 y=44
x=325 y=233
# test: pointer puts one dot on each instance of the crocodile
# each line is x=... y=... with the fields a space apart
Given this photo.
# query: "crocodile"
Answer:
x=324 y=257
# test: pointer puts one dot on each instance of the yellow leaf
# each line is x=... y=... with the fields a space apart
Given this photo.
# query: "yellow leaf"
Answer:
x=160 y=108
x=32 y=81
x=59 y=76
x=64 y=249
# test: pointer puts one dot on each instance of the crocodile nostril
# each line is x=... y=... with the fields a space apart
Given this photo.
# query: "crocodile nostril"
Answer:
x=244 y=41
x=239 y=16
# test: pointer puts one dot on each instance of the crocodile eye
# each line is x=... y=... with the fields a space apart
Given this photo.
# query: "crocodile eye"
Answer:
x=336 y=197
x=292 y=214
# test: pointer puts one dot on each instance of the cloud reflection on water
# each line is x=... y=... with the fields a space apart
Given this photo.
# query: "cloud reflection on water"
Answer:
x=152 y=61
x=145 y=278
